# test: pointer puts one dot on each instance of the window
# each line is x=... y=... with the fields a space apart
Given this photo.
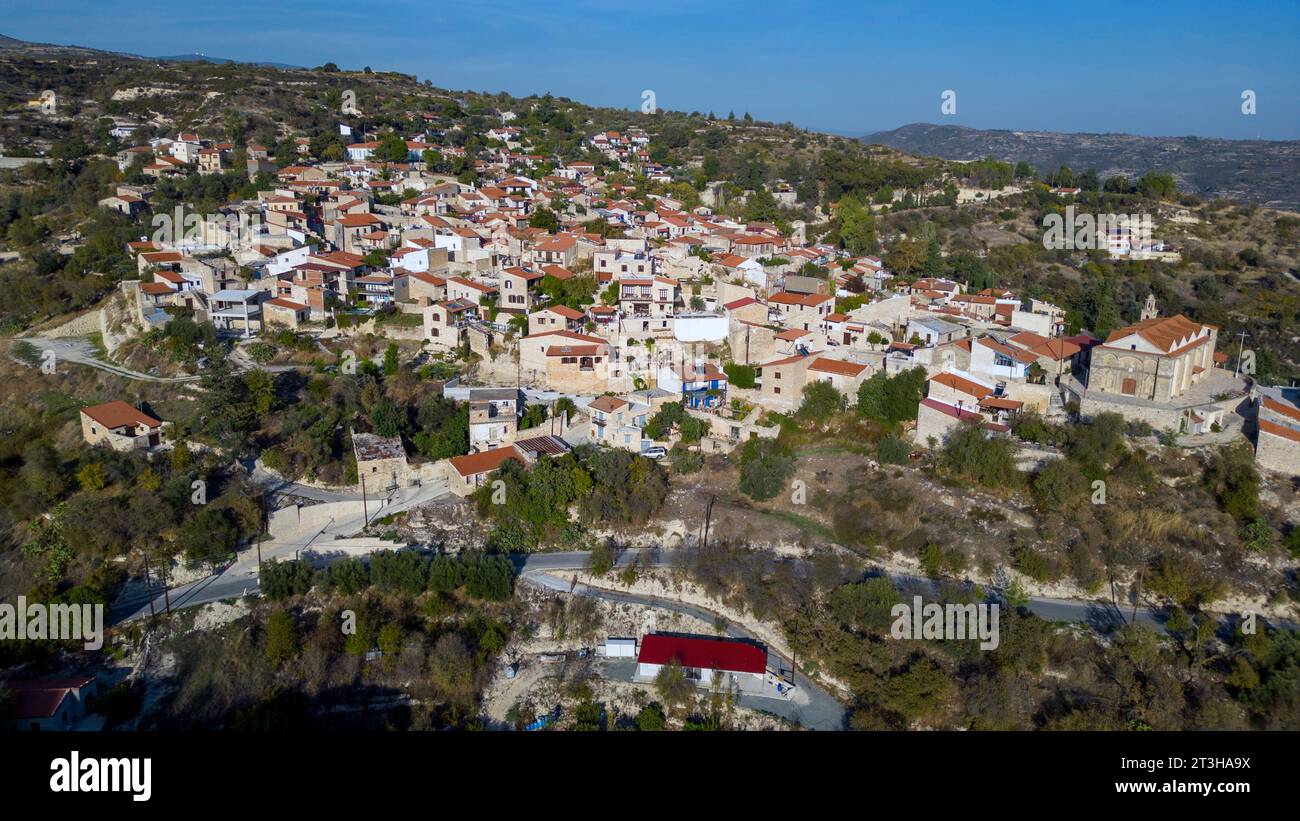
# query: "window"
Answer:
x=776 y=390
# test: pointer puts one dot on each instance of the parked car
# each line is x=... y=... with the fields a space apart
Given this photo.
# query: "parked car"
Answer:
x=655 y=452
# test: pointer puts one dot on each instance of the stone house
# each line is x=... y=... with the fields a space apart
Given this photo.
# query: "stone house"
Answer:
x=381 y=461
x=121 y=426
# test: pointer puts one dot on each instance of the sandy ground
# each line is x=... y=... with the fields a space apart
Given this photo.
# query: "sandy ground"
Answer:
x=218 y=614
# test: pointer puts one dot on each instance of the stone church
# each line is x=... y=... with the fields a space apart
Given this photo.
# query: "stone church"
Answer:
x=1157 y=359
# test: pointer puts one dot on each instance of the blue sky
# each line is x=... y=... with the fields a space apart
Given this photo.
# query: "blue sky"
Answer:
x=1156 y=68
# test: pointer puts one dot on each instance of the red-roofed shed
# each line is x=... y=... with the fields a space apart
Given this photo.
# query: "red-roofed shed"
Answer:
x=740 y=664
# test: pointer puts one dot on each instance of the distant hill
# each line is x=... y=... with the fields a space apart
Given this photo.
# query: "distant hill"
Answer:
x=1258 y=171
x=14 y=47
x=203 y=58
x=23 y=47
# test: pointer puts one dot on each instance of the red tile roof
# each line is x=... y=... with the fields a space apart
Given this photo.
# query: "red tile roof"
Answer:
x=962 y=384
x=574 y=335
x=117 y=414
x=484 y=462
x=1275 y=429
x=1278 y=407
x=564 y=311
x=573 y=350
x=40 y=698
x=607 y=404
x=951 y=410
x=836 y=366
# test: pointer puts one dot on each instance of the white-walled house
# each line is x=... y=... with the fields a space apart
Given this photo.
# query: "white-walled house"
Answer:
x=995 y=359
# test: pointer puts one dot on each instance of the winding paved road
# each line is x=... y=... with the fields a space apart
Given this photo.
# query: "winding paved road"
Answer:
x=1098 y=614
x=82 y=352
x=241 y=578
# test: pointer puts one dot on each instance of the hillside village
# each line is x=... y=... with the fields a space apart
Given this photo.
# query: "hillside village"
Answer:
x=560 y=283
x=399 y=358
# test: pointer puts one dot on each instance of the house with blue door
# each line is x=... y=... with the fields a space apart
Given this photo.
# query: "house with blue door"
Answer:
x=702 y=385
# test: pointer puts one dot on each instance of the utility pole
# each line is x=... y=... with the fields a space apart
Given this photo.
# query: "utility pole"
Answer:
x=708 y=516
x=1241 y=347
x=365 y=511
x=167 y=594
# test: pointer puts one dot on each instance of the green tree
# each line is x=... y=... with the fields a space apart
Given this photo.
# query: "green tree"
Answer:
x=972 y=453
x=890 y=450
x=392 y=148
x=673 y=687
x=765 y=466
x=1059 y=484
x=821 y=401
x=281 y=638
x=280 y=580
x=387 y=419
x=651 y=718
x=1233 y=479
x=762 y=207
x=91 y=476
x=545 y=219
x=261 y=390
x=857 y=226
x=918 y=692
x=390 y=640
x=739 y=375
x=891 y=399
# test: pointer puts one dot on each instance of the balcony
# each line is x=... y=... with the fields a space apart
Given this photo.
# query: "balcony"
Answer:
x=704 y=398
